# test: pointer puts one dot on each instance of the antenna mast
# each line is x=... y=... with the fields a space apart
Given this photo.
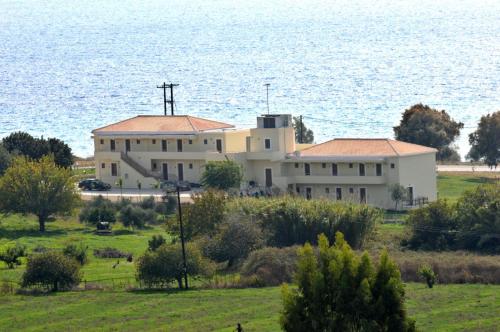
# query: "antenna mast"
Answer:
x=267 y=96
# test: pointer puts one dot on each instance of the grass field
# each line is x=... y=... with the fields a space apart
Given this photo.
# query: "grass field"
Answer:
x=443 y=308
x=452 y=185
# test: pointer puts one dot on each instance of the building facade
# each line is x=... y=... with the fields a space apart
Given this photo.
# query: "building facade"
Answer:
x=148 y=149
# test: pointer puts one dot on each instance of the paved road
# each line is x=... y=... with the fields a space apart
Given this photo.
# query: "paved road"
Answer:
x=466 y=168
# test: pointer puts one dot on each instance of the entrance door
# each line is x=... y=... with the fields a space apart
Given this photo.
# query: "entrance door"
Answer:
x=362 y=195
x=127 y=145
x=307 y=169
x=269 y=177
x=179 y=145
x=308 y=193
x=180 y=172
x=218 y=144
x=410 y=195
x=165 y=171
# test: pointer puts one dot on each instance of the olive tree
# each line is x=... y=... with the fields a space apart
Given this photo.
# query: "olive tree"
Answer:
x=485 y=141
x=38 y=187
x=222 y=175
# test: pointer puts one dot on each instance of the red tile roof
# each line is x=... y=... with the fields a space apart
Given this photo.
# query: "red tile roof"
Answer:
x=352 y=147
x=155 y=124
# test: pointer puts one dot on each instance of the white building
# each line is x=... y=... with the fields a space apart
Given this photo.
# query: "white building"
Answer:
x=147 y=149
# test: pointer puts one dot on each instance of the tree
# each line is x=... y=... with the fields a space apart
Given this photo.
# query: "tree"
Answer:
x=423 y=125
x=222 y=175
x=235 y=239
x=302 y=133
x=61 y=151
x=52 y=269
x=340 y=291
x=398 y=193
x=5 y=159
x=485 y=141
x=37 y=187
x=164 y=265
x=98 y=210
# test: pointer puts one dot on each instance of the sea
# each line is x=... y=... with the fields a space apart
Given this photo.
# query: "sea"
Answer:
x=349 y=67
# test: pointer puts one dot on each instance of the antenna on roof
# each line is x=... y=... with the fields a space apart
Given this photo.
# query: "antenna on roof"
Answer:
x=267 y=96
x=165 y=101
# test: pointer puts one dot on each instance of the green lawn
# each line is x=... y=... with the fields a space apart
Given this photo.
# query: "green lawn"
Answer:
x=444 y=308
x=452 y=185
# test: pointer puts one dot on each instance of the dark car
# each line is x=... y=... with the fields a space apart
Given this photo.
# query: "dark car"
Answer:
x=93 y=184
x=171 y=186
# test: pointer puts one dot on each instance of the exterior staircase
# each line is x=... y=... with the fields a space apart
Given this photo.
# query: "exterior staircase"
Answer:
x=136 y=166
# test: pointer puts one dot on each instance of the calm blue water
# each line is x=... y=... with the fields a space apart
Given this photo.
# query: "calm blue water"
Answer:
x=352 y=66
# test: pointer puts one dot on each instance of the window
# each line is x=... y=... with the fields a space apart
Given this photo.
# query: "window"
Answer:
x=307 y=169
x=127 y=145
x=361 y=169
x=101 y=141
x=138 y=141
x=323 y=165
x=378 y=169
x=327 y=190
x=350 y=165
x=190 y=141
x=190 y=166
x=351 y=190
x=154 y=166
x=103 y=165
x=179 y=145
x=205 y=141
x=269 y=123
x=393 y=166
x=338 y=194
x=154 y=141
x=296 y=165
x=335 y=170
x=164 y=145
x=114 y=169
x=298 y=190
x=112 y=145
x=218 y=145
x=267 y=144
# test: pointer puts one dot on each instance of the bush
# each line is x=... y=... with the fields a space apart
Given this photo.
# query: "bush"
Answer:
x=271 y=266
x=222 y=175
x=97 y=210
x=77 y=252
x=136 y=217
x=52 y=270
x=234 y=240
x=12 y=254
x=426 y=273
x=155 y=242
x=293 y=220
x=340 y=291
x=109 y=252
x=432 y=227
x=161 y=267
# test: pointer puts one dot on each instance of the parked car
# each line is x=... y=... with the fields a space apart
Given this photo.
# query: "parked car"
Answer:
x=171 y=186
x=94 y=184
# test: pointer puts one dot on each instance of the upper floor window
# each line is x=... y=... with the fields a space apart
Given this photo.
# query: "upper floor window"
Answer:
x=307 y=169
x=154 y=141
x=138 y=141
x=392 y=165
x=361 y=169
x=267 y=144
x=335 y=170
x=190 y=141
x=269 y=123
x=378 y=169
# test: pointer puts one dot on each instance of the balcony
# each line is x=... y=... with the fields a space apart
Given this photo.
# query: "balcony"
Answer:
x=359 y=180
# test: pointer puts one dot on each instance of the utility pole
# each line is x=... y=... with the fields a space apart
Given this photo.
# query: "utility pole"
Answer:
x=165 y=101
x=179 y=207
x=301 y=137
x=267 y=96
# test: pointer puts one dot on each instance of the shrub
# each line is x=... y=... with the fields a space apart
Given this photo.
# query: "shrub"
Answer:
x=271 y=266
x=77 y=252
x=155 y=242
x=12 y=254
x=97 y=210
x=293 y=220
x=340 y=291
x=234 y=240
x=109 y=252
x=432 y=227
x=161 y=267
x=136 y=217
x=53 y=270
x=148 y=204
x=222 y=175
x=426 y=273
